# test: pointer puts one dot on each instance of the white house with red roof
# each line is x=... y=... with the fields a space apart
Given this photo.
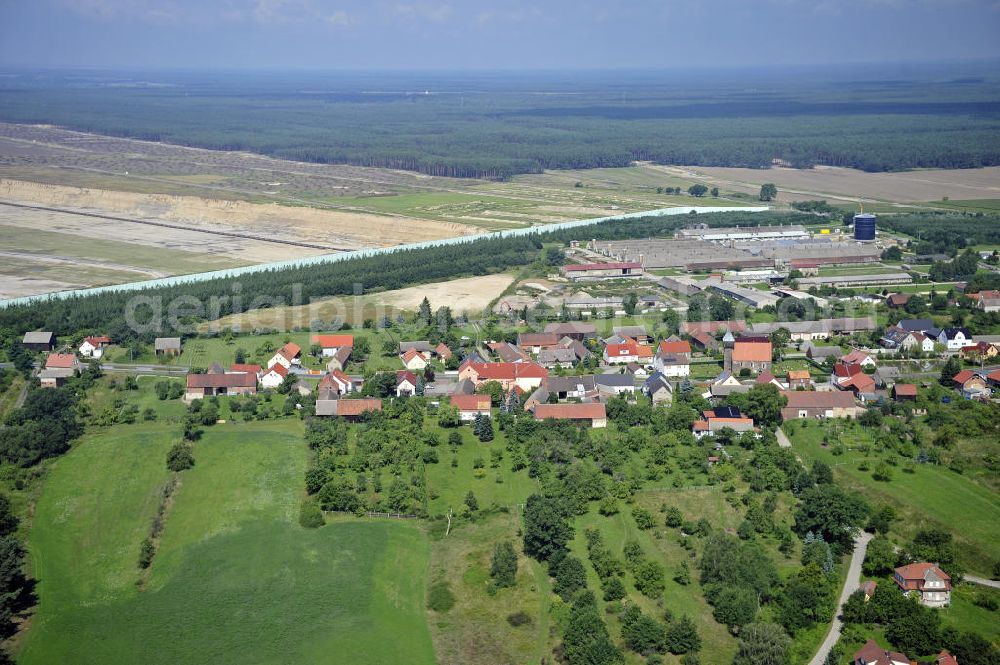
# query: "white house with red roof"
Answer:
x=406 y=383
x=413 y=360
x=274 y=376
x=627 y=351
x=673 y=358
x=330 y=344
x=288 y=355
x=93 y=346
x=872 y=654
x=930 y=584
x=470 y=406
x=333 y=384
x=524 y=375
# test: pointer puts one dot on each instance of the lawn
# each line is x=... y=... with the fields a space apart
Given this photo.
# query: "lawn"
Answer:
x=932 y=496
x=235 y=580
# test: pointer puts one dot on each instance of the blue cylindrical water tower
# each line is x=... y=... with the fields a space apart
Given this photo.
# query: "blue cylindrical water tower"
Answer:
x=864 y=226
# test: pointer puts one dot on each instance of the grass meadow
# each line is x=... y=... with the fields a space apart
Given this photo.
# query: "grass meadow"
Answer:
x=931 y=496
x=235 y=579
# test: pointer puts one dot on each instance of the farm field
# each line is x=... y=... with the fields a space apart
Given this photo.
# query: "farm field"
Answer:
x=931 y=496
x=924 y=186
x=465 y=294
x=231 y=536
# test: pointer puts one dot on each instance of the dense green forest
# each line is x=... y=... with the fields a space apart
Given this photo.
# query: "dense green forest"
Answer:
x=496 y=126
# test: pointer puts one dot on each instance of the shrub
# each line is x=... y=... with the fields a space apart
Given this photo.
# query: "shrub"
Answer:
x=518 y=619
x=146 y=553
x=180 y=457
x=440 y=598
x=310 y=516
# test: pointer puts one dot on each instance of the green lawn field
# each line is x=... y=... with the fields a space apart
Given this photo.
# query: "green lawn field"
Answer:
x=932 y=496
x=235 y=580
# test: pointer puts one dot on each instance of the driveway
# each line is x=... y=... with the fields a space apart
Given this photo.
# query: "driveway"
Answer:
x=981 y=581
x=851 y=584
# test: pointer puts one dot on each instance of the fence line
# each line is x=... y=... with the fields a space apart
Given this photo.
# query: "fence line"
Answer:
x=364 y=253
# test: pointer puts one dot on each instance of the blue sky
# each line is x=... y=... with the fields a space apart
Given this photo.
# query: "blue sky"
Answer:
x=474 y=34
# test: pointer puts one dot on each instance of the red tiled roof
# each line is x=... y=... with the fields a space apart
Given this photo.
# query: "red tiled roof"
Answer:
x=856 y=356
x=333 y=341
x=537 y=339
x=98 y=341
x=589 y=411
x=410 y=354
x=846 y=370
x=509 y=371
x=994 y=376
x=751 y=351
x=578 y=267
x=963 y=376
x=712 y=327
x=914 y=574
x=60 y=360
x=830 y=399
x=279 y=369
x=334 y=378
x=861 y=383
x=798 y=375
x=682 y=346
x=470 y=402
x=945 y=658
x=234 y=380
x=905 y=389
x=443 y=351
x=355 y=407
x=405 y=375
x=290 y=350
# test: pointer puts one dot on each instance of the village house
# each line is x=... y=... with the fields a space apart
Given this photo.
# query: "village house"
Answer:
x=868 y=588
x=713 y=327
x=896 y=338
x=406 y=383
x=55 y=377
x=858 y=357
x=535 y=342
x=955 y=338
x=897 y=300
x=614 y=384
x=930 y=584
x=217 y=382
x=62 y=361
x=334 y=384
x=423 y=346
x=508 y=353
x=872 y=654
x=93 y=346
x=971 y=384
x=274 y=376
x=821 y=353
x=673 y=358
x=804 y=331
x=563 y=387
x=577 y=330
x=627 y=351
x=725 y=384
x=557 y=357
x=39 y=341
x=288 y=355
x=988 y=301
x=331 y=344
x=592 y=413
x=349 y=409
x=767 y=377
x=753 y=356
x=167 y=346
x=525 y=375
x=339 y=359
x=470 y=406
x=799 y=379
x=980 y=351
x=722 y=417
x=246 y=368
x=820 y=404
x=904 y=392
x=413 y=360
x=945 y=658
x=577 y=347
x=638 y=333
x=443 y=352
x=658 y=389
x=703 y=341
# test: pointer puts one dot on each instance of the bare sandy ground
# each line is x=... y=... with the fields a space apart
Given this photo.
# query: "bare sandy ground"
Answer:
x=850 y=184
x=465 y=295
x=331 y=228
